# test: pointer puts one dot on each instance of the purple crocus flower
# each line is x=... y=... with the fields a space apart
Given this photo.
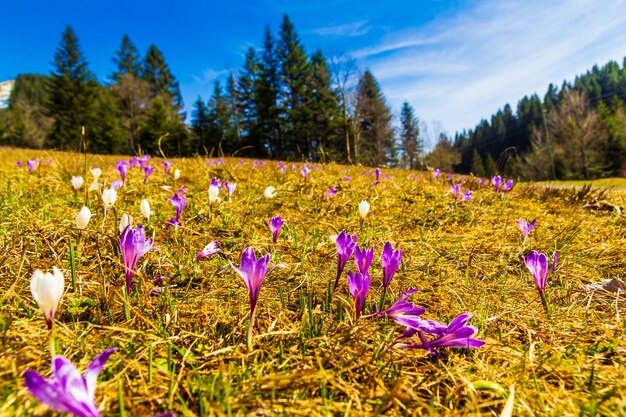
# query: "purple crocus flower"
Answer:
x=133 y=245
x=402 y=311
x=359 y=285
x=18 y=164
x=345 y=246
x=363 y=259
x=281 y=167
x=347 y=178
x=143 y=161
x=67 y=391
x=117 y=184
x=437 y=173
x=455 y=188
x=390 y=260
x=276 y=224
x=166 y=167
x=147 y=171
x=32 y=164
x=217 y=183
x=210 y=249
x=134 y=162
x=377 y=174
x=331 y=191
x=179 y=202
x=481 y=181
x=525 y=227
x=253 y=271
x=450 y=177
x=508 y=186
x=122 y=168
x=497 y=182
x=467 y=195
x=537 y=264
x=230 y=188
x=305 y=170
x=455 y=335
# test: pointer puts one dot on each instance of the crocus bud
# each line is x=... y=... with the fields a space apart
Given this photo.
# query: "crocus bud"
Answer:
x=364 y=208
x=145 y=209
x=96 y=172
x=126 y=220
x=47 y=290
x=95 y=186
x=214 y=192
x=109 y=196
x=83 y=217
x=270 y=192
x=77 y=182
x=176 y=174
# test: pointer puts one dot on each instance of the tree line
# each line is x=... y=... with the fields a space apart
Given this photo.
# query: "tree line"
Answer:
x=282 y=104
x=577 y=131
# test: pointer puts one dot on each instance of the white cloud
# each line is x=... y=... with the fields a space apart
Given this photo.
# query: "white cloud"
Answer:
x=209 y=75
x=463 y=68
x=349 y=29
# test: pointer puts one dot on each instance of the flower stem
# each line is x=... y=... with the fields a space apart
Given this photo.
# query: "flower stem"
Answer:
x=51 y=343
x=249 y=335
x=383 y=297
x=544 y=302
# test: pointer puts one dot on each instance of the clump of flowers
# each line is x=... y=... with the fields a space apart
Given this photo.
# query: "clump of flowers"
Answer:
x=179 y=201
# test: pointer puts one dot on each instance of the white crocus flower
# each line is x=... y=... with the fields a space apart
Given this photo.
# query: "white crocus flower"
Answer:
x=176 y=174
x=144 y=207
x=126 y=220
x=364 y=208
x=214 y=194
x=95 y=186
x=82 y=218
x=96 y=172
x=270 y=192
x=47 y=290
x=109 y=196
x=77 y=182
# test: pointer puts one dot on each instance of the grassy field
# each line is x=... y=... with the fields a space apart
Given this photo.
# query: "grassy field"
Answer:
x=185 y=350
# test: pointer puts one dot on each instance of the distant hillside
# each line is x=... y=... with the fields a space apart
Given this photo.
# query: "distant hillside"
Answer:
x=575 y=131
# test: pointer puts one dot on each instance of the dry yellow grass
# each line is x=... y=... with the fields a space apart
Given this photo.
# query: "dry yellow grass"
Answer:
x=184 y=351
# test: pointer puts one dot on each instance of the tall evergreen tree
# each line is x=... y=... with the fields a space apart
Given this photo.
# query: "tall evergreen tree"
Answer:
x=376 y=145
x=127 y=60
x=200 y=126
x=106 y=134
x=133 y=98
x=159 y=77
x=295 y=74
x=268 y=98
x=325 y=114
x=412 y=147
x=247 y=90
x=72 y=90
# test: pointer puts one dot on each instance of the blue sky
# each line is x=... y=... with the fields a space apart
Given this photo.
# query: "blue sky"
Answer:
x=454 y=61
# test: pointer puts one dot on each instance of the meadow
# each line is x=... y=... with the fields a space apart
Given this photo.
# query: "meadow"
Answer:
x=181 y=331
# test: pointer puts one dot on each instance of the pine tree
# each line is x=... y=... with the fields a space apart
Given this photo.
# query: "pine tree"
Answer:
x=72 y=90
x=127 y=60
x=200 y=126
x=159 y=77
x=268 y=98
x=412 y=147
x=325 y=114
x=247 y=105
x=295 y=74
x=376 y=145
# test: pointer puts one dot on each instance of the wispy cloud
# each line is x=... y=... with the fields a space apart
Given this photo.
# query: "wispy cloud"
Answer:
x=463 y=68
x=349 y=29
x=209 y=75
